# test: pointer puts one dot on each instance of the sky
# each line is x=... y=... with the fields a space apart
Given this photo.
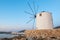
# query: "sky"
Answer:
x=13 y=17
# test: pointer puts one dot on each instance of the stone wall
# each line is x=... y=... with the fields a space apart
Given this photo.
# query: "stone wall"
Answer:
x=43 y=34
x=48 y=34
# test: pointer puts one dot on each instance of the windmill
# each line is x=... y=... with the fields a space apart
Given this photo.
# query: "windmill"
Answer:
x=43 y=19
x=34 y=11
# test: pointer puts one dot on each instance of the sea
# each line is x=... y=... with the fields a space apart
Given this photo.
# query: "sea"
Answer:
x=7 y=35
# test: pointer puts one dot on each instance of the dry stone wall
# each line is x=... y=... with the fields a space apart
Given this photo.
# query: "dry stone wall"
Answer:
x=43 y=34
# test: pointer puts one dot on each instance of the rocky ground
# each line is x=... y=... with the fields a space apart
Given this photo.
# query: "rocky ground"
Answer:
x=38 y=35
x=49 y=34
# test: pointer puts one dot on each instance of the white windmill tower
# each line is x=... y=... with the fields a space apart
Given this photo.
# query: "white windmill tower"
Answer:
x=43 y=19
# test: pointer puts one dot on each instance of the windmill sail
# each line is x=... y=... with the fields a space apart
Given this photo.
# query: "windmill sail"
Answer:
x=33 y=12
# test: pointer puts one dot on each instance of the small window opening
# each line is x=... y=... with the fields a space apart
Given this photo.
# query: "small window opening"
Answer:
x=40 y=14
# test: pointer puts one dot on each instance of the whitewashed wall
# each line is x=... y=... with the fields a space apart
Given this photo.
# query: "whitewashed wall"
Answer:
x=44 y=20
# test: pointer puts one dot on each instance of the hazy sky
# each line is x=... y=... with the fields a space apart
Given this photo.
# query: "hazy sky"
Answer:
x=13 y=17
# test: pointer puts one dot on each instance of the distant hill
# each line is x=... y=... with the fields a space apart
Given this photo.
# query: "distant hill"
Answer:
x=5 y=32
x=57 y=27
x=22 y=31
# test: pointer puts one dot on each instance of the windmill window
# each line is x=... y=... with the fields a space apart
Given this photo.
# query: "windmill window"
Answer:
x=40 y=15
